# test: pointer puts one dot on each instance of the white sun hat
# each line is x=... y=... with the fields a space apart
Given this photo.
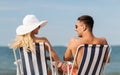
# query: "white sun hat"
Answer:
x=30 y=22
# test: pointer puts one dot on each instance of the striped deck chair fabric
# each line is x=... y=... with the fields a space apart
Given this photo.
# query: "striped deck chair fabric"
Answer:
x=34 y=63
x=92 y=59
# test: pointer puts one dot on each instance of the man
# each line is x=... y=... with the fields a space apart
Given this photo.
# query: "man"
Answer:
x=84 y=29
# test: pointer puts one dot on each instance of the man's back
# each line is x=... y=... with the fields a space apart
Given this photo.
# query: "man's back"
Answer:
x=75 y=42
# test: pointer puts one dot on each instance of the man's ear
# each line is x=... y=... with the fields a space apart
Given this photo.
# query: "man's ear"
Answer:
x=84 y=27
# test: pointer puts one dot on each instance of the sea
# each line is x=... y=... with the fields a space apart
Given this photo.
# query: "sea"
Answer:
x=7 y=66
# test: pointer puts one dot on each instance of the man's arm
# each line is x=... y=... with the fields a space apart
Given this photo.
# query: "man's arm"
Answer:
x=68 y=55
x=106 y=57
x=106 y=54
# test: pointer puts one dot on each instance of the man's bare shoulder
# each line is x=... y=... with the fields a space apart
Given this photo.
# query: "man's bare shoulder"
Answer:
x=103 y=40
x=75 y=41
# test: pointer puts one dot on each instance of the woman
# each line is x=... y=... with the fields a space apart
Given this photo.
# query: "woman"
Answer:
x=26 y=35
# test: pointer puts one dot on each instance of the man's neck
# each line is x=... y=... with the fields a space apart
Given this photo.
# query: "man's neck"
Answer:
x=88 y=35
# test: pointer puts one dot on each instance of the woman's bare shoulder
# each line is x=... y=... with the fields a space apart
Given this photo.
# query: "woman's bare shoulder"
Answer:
x=42 y=39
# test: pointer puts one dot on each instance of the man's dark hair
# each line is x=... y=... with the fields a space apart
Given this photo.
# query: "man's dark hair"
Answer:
x=88 y=20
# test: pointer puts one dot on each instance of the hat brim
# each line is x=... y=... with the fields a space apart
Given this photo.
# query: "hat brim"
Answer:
x=24 y=29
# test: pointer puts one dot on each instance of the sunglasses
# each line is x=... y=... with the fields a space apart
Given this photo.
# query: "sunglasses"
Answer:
x=76 y=26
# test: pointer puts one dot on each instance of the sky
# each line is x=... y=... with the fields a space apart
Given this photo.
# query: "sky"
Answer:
x=62 y=16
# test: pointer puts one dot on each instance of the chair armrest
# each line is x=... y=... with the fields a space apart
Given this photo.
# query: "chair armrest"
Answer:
x=18 y=61
x=55 y=68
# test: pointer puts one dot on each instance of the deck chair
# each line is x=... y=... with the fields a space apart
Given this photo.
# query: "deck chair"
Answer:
x=92 y=59
x=33 y=63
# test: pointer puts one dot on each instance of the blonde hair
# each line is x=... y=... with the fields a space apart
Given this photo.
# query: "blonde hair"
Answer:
x=23 y=41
